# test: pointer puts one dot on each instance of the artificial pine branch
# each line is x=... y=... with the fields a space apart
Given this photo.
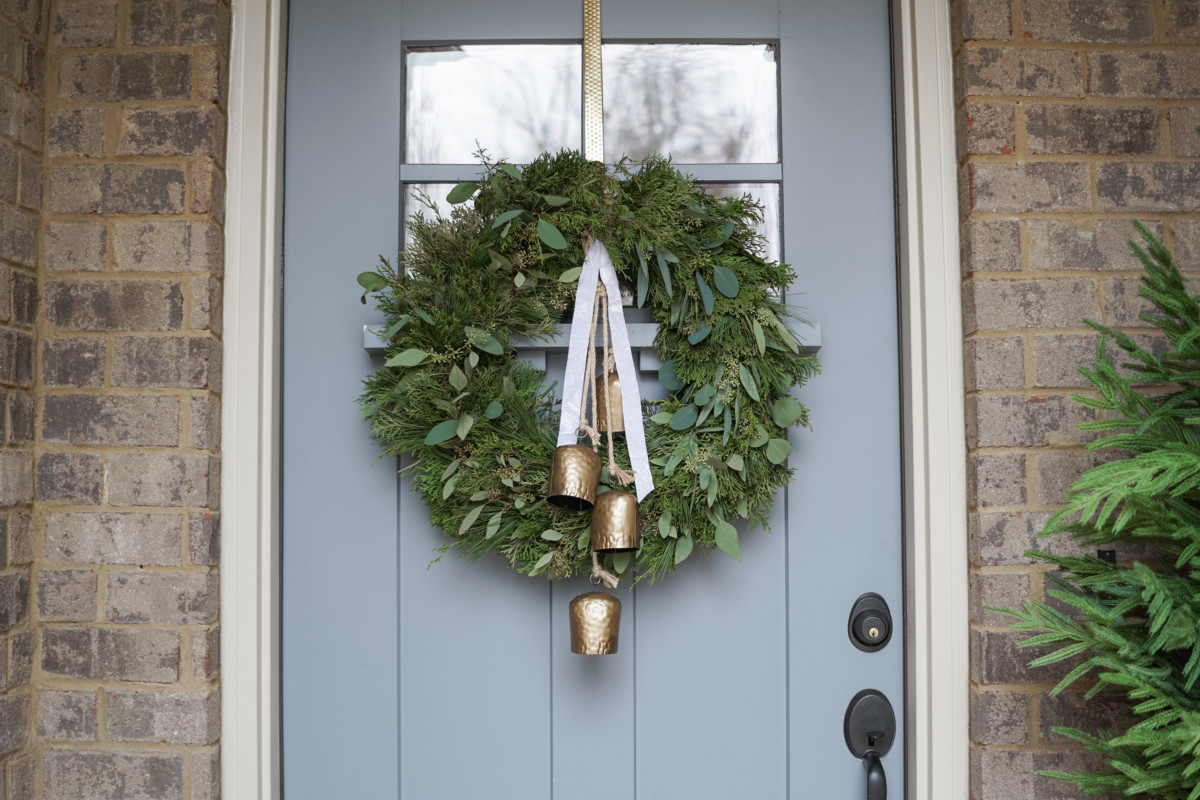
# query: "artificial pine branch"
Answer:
x=1136 y=626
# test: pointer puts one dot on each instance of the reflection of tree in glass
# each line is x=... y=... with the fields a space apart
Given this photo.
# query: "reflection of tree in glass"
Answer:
x=516 y=101
x=767 y=194
x=700 y=103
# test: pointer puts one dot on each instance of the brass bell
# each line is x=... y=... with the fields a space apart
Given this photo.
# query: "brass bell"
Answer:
x=610 y=386
x=595 y=623
x=615 y=522
x=574 y=477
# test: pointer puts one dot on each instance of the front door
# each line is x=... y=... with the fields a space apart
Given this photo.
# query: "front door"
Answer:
x=457 y=681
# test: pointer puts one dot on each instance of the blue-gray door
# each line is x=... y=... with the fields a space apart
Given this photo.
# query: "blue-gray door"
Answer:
x=457 y=682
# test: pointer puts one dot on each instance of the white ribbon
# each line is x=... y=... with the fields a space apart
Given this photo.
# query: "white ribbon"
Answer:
x=599 y=267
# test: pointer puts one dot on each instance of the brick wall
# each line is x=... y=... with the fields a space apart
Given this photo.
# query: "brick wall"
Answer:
x=1075 y=116
x=23 y=33
x=126 y=465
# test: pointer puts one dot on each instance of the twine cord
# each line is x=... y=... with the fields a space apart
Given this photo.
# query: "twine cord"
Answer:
x=589 y=375
x=623 y=477
x=601 y=575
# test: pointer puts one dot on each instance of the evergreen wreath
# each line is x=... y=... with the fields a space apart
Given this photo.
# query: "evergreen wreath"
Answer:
x=481 y=425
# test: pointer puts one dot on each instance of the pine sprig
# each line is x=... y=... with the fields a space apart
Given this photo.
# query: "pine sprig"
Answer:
x=1135 y=626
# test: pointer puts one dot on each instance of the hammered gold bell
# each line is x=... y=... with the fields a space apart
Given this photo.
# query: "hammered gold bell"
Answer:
x=615 y=525
x=610 y=387
x=574 y=477
x=595 y=623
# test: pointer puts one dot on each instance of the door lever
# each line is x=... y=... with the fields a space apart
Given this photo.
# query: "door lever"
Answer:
x=870 y=728
x=876 y=779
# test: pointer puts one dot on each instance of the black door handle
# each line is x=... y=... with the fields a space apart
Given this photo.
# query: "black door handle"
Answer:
x=870 y=728
x=876 y=779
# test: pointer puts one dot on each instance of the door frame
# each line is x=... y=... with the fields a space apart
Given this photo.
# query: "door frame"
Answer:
x=935 y=495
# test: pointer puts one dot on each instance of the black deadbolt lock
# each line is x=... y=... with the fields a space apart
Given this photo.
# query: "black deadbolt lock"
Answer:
x=870 y=624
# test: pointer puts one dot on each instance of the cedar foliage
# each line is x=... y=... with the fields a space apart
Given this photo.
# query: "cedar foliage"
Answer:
x=1135 y=627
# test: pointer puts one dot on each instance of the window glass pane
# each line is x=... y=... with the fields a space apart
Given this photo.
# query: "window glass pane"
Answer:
x=767 y=195
x=416 y=196
x=698 y=103
x=515 y=101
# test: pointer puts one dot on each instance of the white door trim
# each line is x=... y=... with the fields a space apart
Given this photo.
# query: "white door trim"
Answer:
x=250 y=588
x=935 y=450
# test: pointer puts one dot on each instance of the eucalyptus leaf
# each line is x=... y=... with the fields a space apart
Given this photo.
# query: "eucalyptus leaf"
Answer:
x=728 y=427
x=684 y=418
x=551 y=535
x=787 y=412
x=500 y=261
x=700 y=335
x=683 y=549
x=544 y=560
x=667 y=377
x=760 y=338
x=570 y=275
x=713 y=486
x=662 y=417
x=664 y=525
x=665 y=270
x=512 y=171
x=736 y=462
x=493 y=525
x=409 y=358
x=372 y=281
x=442 y=432
x=550 y=235
x=484 y=341
x=778 y=450
x=448 y=487
x=391 y=330
x=786 y=335
x=725 y=281
x=760 y=437
x=554 y=200
x=508 y=216
x=620 y=562
x=480 y=495
x=727 y=539
x=643 y=277
x=748 y=381
x=493 y=410
x=425 y=317
x=451 y=469
x=518 y=280
x=706 y=295
x=462 y=192
x=465 y=422
x=469 y=519
x=705 y=395
x=458 y=378
x=473 y=359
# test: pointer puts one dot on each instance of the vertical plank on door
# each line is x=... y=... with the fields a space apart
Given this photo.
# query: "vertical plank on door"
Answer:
x=339 y=543
x=474 y=671
x=712 y=674
x=593 y=705
x=846 y=493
